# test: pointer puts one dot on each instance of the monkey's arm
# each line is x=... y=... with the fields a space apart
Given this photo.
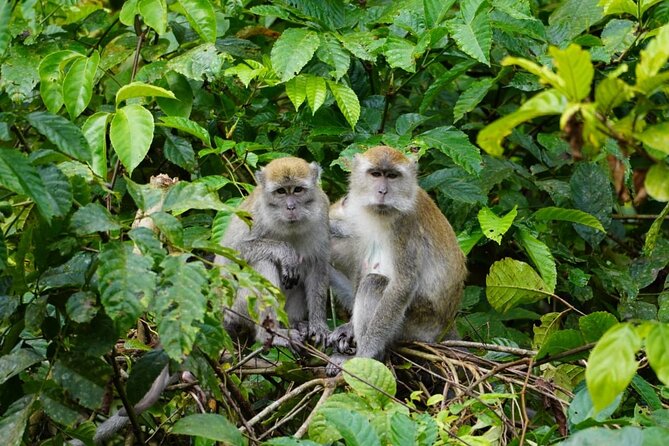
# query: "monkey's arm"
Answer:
x=316 y=287
x=278 y=252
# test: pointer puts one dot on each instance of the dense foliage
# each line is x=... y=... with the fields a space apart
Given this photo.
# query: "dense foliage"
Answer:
x=542 y=130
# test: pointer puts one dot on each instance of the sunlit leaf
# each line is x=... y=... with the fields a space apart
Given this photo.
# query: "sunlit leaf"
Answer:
x=78 y=84
x=131 y=133
x=95 y=131
x=541 y=256
x=141 y=89
x=572 y=215
x=657 y=350
x=5 y=15
x=188 y=126
x=316 y=91
x=292 y=51
x=296 y=89
x=495 y=227
x=64 y=134
x=347 y=101
x=210 y=426
x=370 y=379
x=201 y=16
x=511 y=283
x=154 y=13
x=575 y=70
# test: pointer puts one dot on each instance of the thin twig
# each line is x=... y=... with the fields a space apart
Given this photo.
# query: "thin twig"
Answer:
x=328 y=389
x=132 y=416
x=523 y=405
x=489 y=347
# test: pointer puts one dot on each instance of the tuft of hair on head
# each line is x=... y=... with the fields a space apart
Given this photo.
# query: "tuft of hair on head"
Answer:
x=384 y=157
x=287 y=170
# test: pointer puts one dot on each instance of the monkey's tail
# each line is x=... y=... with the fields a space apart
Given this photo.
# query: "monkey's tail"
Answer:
x=113 y=424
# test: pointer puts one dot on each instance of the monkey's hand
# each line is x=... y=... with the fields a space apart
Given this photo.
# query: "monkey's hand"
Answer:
x=342 y=339
x=319 y=333
x=282 y=337
x=335 y=363
x=290 y=269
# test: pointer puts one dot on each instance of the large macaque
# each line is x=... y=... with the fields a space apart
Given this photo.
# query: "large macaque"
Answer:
x=288 y=243
x=400 y=254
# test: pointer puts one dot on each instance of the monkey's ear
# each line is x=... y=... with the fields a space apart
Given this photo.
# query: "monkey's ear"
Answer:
x=315 y=171
x=260 y=177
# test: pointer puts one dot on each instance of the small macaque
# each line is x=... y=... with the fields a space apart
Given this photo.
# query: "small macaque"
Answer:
x=400 y=254
x=289 y=244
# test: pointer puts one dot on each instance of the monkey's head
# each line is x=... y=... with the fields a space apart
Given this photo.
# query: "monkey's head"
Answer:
x=289 y=188
x=384 y=180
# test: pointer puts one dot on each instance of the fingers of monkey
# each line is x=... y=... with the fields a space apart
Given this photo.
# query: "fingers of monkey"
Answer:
x=335 y=363
x=342 y=338
x=290 y=278
x=319 y=334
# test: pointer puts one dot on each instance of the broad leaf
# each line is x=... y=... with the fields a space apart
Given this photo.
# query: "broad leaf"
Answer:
x=292 y=51
x=201 y=16
x=594 y=325
x=560 y=342
x=657 y=182
x=296 y=89
x=315 y=89
x=15 y=418
x=188 y=126
x=131 y=133
x=16 y=362
x=474 y=36
x=66 y=136
x=612 y=364
x=400 y=53
x=471 y=97
x=575 y=70
x=51 y=78
x=435 y=11
x=571 y=215
x=619 y=7
x=154 y=13
x=95 y=131
x=511 y=283
x=126 y=283
x=657 y=350
x=141 y=89
x=550 y=323
x=18 y=175
x=403 y=431
x=652 y=60
x=78 y=84
x=180 y=302
x=610 y=93
x=332 y=53
x=571 y=18
x=656 y=137
x=93 y=218
x=541 y=257
x=83 y=378
x=549 y=102
x=210 y=426
x=128 y=12
x=370 y=379
x=347 y=101
x=58 y=189
x=495 y=227
x=455 y=144
x=592 y=193
x=5 y=15
x=353 y=427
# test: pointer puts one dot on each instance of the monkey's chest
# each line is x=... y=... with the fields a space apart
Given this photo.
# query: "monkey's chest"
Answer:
x=378 y=258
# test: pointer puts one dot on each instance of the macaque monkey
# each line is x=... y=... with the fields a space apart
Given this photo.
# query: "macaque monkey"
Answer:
x=289 y=244
x=400 y=253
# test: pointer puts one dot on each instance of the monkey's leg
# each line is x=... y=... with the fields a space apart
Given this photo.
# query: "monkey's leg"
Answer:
x=342 y=287
x=316 y=289
x=367 y=300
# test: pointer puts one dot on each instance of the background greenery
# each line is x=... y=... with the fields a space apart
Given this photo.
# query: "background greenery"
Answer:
x=542 y=131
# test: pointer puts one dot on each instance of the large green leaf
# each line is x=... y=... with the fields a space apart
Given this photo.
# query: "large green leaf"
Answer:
x=471 y=97
x=435 y=11
x=201 y=16
x=188 y=126
x=571 y=215
x=612 y=364
x=657 y=182
x=83 y=378
x=656 y=136
x=571 y=18
x=5 y=15
x=78 y=84
x=347 y=101
x=296 y=89
x=591 y=192
x=154 y=13
x=559 y=342
x=51 y=78
x=353 y=427
x=58 y=189
x=128 y=12
x=93 y=218
x=575 y=70
x=594 y=325
x=549 y=102
x=400 y=53
x=455 y=144
x=473 y=35
x=141 y=89
x=210 y=426
x=511 y=283
x=541 y=257
x=316 y=91
x=495 y=227
x=292 y=51
x=652 y=60
x=332 y=53
x=16 y=362
x=180 y=302
x=95 y=131
x=66 y=136
x=403 y=430
x=619 y=7
x=18 y=175
x=657 y=350
x=131 y=133
x=126 y=283
x=14 y=420
x=370 y=379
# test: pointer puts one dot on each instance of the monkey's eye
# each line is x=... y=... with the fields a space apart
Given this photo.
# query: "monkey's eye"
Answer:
x=281 y=191
x=392 y=175
x=376 y=173
x=298 y=189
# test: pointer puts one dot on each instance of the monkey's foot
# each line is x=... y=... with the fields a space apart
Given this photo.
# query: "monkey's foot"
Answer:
x=335 y=363
x=318 y=333
x=281 y=337
x=342 y=339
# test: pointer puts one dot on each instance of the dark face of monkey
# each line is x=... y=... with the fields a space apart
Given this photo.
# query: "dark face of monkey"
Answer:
x=289 y=190
x=384 y=181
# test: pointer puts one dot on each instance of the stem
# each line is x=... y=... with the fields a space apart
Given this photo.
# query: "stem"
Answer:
x=132 y=416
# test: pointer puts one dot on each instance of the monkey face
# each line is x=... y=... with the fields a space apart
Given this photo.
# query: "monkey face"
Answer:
x=290 y=203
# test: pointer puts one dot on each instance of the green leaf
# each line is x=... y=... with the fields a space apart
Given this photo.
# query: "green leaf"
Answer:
x=456 y=184
x=473 y=35
x=646 y=4
x=511 y=283
x=652 y=60
x=353 y=427
x=292 y=50
x=180 y=302
x=170 y=227
x=571 y=215
x=183 y=104
x=187 y=126
x=16 y=362
x=455 y=144
x=657 y=350
x=66 y=136
x=657 y=182
x=612 y=364
x=347 y=101
x=653 y=233
x=128 y=12
x=594 y=325
x=210 y=426
x=549 y=102
x=628 y=436
x=58 y=189
x=296 y=89
x=201 y=16
x=370 y=379
x=18 y=175
x=180 y=152
x=51 y=78
x=575 y=70
x=289 y=441
x=15 y=418
x=559 y=342
x=471 y=97
x=572 y=17
x=403 y=431
x=550 y=323
x=131 y=133
x=154 y=13
x=647 y=393
x=435 y=11
x=399 y=53
x=83 y=378
x=5 y=15
x=610 y=93
x=541 y=257
x=95 y=131
x=78 y=84
x=144 y=372
x=656 y=137
x=495 y=227
x=315 y=90
x=82 y=307
x=93 y=218
x=619 y=7
x=184 y=196
x=332 y=53
x=126 y=283
x=141 y=89
x=592 y=193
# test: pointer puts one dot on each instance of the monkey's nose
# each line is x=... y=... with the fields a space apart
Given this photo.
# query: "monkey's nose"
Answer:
x=290 y=207
x=383 y=191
